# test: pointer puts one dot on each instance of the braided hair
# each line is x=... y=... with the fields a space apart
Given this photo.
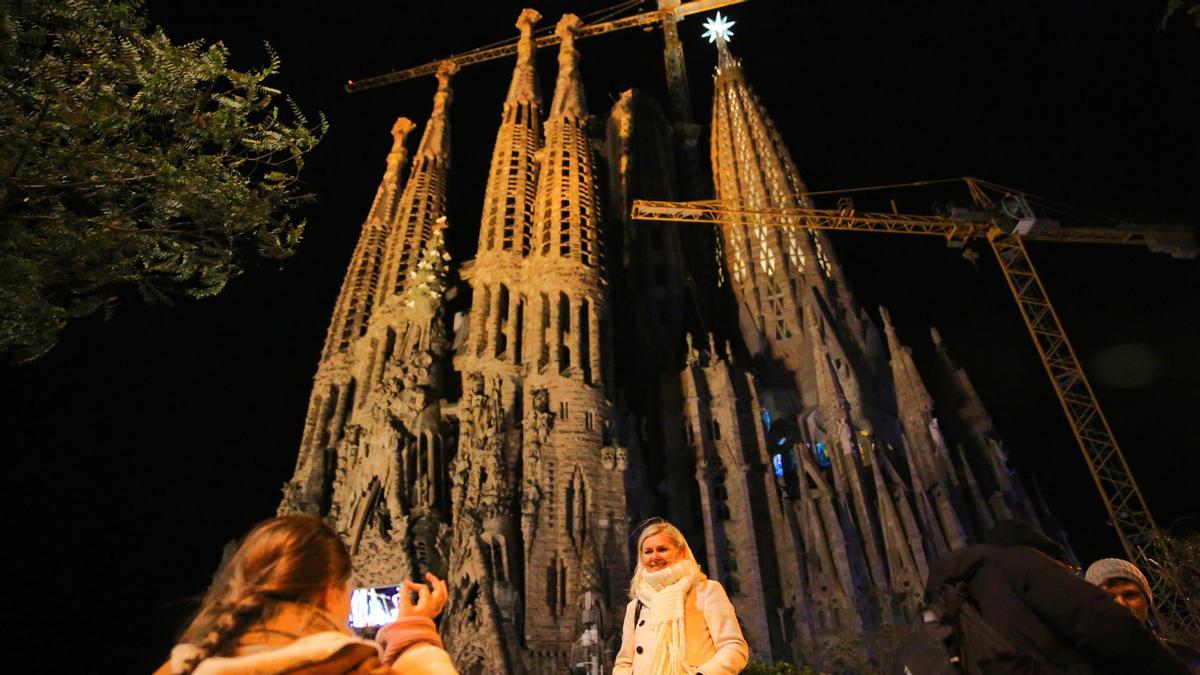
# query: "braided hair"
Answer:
x=291 y=558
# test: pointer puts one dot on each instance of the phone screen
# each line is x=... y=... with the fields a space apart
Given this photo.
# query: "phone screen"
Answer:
x=373 y=606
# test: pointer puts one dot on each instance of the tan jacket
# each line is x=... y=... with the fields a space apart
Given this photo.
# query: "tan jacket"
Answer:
x=302 y=640
x=715 y=645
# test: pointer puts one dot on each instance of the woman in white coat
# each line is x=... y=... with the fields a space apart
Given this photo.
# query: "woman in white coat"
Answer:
x=678 y=622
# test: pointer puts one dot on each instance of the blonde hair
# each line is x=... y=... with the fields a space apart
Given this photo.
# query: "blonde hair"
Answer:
x=659 y=527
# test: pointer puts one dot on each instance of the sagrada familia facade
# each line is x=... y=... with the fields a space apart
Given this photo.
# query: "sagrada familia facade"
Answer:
x=508 y=421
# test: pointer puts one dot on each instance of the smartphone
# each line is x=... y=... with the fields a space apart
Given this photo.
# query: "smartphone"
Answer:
x=372 y=607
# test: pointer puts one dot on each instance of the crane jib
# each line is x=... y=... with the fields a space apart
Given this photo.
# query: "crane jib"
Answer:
x=645 y=19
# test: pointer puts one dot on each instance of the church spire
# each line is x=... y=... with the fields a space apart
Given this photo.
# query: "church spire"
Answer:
x=569 y=100
x=525 y=85
x=567 y=218
x=774 y=269
x=358 y=294
x=914 y=404
x=511 y=183
x=424 y=198
x=435 y=142
x=922 y=435
x=384 y=206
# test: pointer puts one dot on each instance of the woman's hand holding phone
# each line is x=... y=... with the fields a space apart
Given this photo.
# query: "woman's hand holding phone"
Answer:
x=430 y=599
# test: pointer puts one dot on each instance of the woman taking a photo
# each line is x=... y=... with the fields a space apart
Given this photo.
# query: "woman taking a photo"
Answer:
x=678 y=622
x=282 y=605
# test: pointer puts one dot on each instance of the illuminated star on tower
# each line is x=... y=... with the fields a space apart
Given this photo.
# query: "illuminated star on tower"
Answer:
x=718 y=29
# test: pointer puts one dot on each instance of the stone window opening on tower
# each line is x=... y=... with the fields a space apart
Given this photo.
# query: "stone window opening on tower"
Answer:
x=564 y=332
x=731 y=562
x=563 y=409
x=485 y=308
x=422 y=455
x=716 y=430
x=345 y=406
x=585 y=240
x=543 y=331
x=518 y=331
x=556 y=586
x=496 y=560
x=389 y=345
x=372 y=361
x=585 y=347
x=526 y=227
x=510 y=219
x=721 y=495
x=501 y=319
x=347 y=328
x=589 y=420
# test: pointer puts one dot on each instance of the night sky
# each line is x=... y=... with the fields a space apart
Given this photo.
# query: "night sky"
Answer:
x=144 y=443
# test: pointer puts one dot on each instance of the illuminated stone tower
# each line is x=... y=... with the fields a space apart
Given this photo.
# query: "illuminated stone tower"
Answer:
x=482 y=627
x=309 y=490
x=374 y=455
x=574 y=511
x=778 y=273
x=826 y=484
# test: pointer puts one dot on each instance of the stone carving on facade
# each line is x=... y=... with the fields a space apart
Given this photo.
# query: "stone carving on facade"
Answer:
x=538 y=425
x=541 y=422
x=293 y=501
x=693 y=354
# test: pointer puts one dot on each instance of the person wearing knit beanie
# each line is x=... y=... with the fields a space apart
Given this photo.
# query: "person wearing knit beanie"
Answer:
x=1127 y=586
x=1124 y=583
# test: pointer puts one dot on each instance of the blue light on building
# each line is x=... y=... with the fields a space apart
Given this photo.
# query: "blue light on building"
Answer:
x=822 y=456
x=777 y=460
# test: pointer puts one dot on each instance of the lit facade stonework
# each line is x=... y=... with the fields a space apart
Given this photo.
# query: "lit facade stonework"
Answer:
x=507 y=421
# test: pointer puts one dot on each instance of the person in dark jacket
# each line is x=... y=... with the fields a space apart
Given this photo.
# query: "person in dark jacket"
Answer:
x=1022 y=584
x=1127 y=586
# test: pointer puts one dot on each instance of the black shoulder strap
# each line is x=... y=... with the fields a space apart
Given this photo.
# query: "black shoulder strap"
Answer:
x=959 y=607
x=637 y=612
x=968 y=612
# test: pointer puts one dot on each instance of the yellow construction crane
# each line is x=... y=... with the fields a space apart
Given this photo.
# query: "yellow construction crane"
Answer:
x=1006 y=224
x=669 y=13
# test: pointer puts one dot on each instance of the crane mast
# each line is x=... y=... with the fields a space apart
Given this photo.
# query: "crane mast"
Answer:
x=1006 y=234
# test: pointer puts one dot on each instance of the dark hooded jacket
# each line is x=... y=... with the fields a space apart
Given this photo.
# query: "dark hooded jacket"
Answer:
x=1061 y=621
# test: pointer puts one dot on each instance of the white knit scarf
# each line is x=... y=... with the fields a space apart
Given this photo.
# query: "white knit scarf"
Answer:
x=663 y=593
